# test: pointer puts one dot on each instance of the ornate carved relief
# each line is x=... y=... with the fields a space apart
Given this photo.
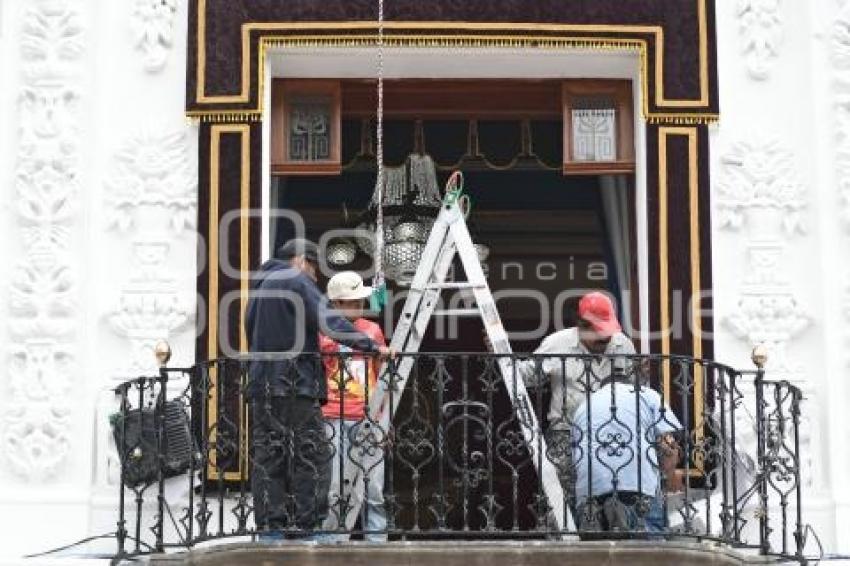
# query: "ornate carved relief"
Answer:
x=760 y=194
x=760 y=188
x=151 y=182
x=153 y=31
x=152 y=199
x=772 y=318
x=760 y=191
x=761 y=28
x=840 y=48
x=846 y=311
x=43 y=290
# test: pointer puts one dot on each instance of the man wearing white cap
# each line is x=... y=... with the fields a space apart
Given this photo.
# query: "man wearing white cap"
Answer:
x=351 y=383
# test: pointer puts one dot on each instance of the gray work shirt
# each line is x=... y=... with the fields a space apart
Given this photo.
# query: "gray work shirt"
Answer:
x=565 y=373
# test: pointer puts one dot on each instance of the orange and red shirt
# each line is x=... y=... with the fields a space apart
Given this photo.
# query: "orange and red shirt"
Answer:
x=360 y=370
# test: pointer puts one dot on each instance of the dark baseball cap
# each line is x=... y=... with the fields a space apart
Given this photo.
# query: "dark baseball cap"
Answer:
x=299 y=246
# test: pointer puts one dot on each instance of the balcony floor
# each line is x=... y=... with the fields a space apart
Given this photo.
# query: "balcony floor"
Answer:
x=477 y=553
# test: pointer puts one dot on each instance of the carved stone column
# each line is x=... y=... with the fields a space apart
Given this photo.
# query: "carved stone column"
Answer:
x=43 y=291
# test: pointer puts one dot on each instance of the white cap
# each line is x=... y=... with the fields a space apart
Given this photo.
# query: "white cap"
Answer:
x=347 y=286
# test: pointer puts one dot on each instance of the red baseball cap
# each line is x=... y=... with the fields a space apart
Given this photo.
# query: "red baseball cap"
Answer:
x=597 y=309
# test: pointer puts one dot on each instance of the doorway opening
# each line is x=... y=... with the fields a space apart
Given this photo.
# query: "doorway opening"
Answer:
x=551 y=237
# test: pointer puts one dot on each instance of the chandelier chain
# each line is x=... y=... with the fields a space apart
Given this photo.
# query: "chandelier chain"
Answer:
x=379 y=219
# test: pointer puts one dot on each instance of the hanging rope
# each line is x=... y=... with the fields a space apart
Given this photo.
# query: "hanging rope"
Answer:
x=379 y=286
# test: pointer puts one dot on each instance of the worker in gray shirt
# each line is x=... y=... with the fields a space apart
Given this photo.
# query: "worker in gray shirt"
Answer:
x=598 y=333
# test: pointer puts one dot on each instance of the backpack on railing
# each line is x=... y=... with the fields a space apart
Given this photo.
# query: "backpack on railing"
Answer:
x=135 y=434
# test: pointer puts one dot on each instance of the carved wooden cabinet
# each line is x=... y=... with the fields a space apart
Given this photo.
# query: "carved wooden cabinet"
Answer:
x=598 y=127
x=305 y=128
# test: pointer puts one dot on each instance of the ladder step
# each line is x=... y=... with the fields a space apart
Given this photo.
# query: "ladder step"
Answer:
x=458 y=312
x=452 y=285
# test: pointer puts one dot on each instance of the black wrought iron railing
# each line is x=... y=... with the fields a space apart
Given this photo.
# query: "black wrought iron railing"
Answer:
x=635 y=447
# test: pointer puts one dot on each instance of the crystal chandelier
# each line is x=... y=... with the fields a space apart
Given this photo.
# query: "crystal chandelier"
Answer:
x=411 y=202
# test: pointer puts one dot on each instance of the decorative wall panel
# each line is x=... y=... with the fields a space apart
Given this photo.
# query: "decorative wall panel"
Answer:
x=229 y=38
x=153 y=203
x=43 y=296
x=153 y=31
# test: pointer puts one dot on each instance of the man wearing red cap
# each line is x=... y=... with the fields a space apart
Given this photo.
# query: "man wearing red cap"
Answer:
x=598 y=333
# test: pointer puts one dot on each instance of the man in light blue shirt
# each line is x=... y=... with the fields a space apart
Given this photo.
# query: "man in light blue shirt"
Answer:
x=619 y=435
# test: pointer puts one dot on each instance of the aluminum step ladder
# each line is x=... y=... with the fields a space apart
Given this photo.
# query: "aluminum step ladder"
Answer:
x=449 y=237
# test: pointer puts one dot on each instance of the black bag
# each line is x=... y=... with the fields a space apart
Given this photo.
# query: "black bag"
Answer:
x=135 y=434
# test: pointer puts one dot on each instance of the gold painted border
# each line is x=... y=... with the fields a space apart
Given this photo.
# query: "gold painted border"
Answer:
x=463 y=39
x=216 y=131
x=663 y=263
x=692 y=135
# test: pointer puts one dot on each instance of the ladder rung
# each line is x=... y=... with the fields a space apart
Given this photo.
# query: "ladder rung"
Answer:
x=462 y=285
x=458 y=312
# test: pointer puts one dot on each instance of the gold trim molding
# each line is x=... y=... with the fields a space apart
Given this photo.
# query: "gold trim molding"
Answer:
x=461 y=34
x=691 y=135
x=216 y=131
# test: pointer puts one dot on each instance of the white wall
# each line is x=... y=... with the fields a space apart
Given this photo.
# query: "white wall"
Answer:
x=780 y=255
x=91 y=100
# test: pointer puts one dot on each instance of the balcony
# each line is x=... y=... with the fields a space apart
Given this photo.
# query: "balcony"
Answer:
x=630 y=459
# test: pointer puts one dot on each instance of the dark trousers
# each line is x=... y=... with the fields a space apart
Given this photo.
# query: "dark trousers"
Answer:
x=627 y=511
x=291 y=455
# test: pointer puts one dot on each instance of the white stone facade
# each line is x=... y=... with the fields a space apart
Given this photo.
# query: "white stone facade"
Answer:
x=780 y=229
x=98 y=169
x=99 y=177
